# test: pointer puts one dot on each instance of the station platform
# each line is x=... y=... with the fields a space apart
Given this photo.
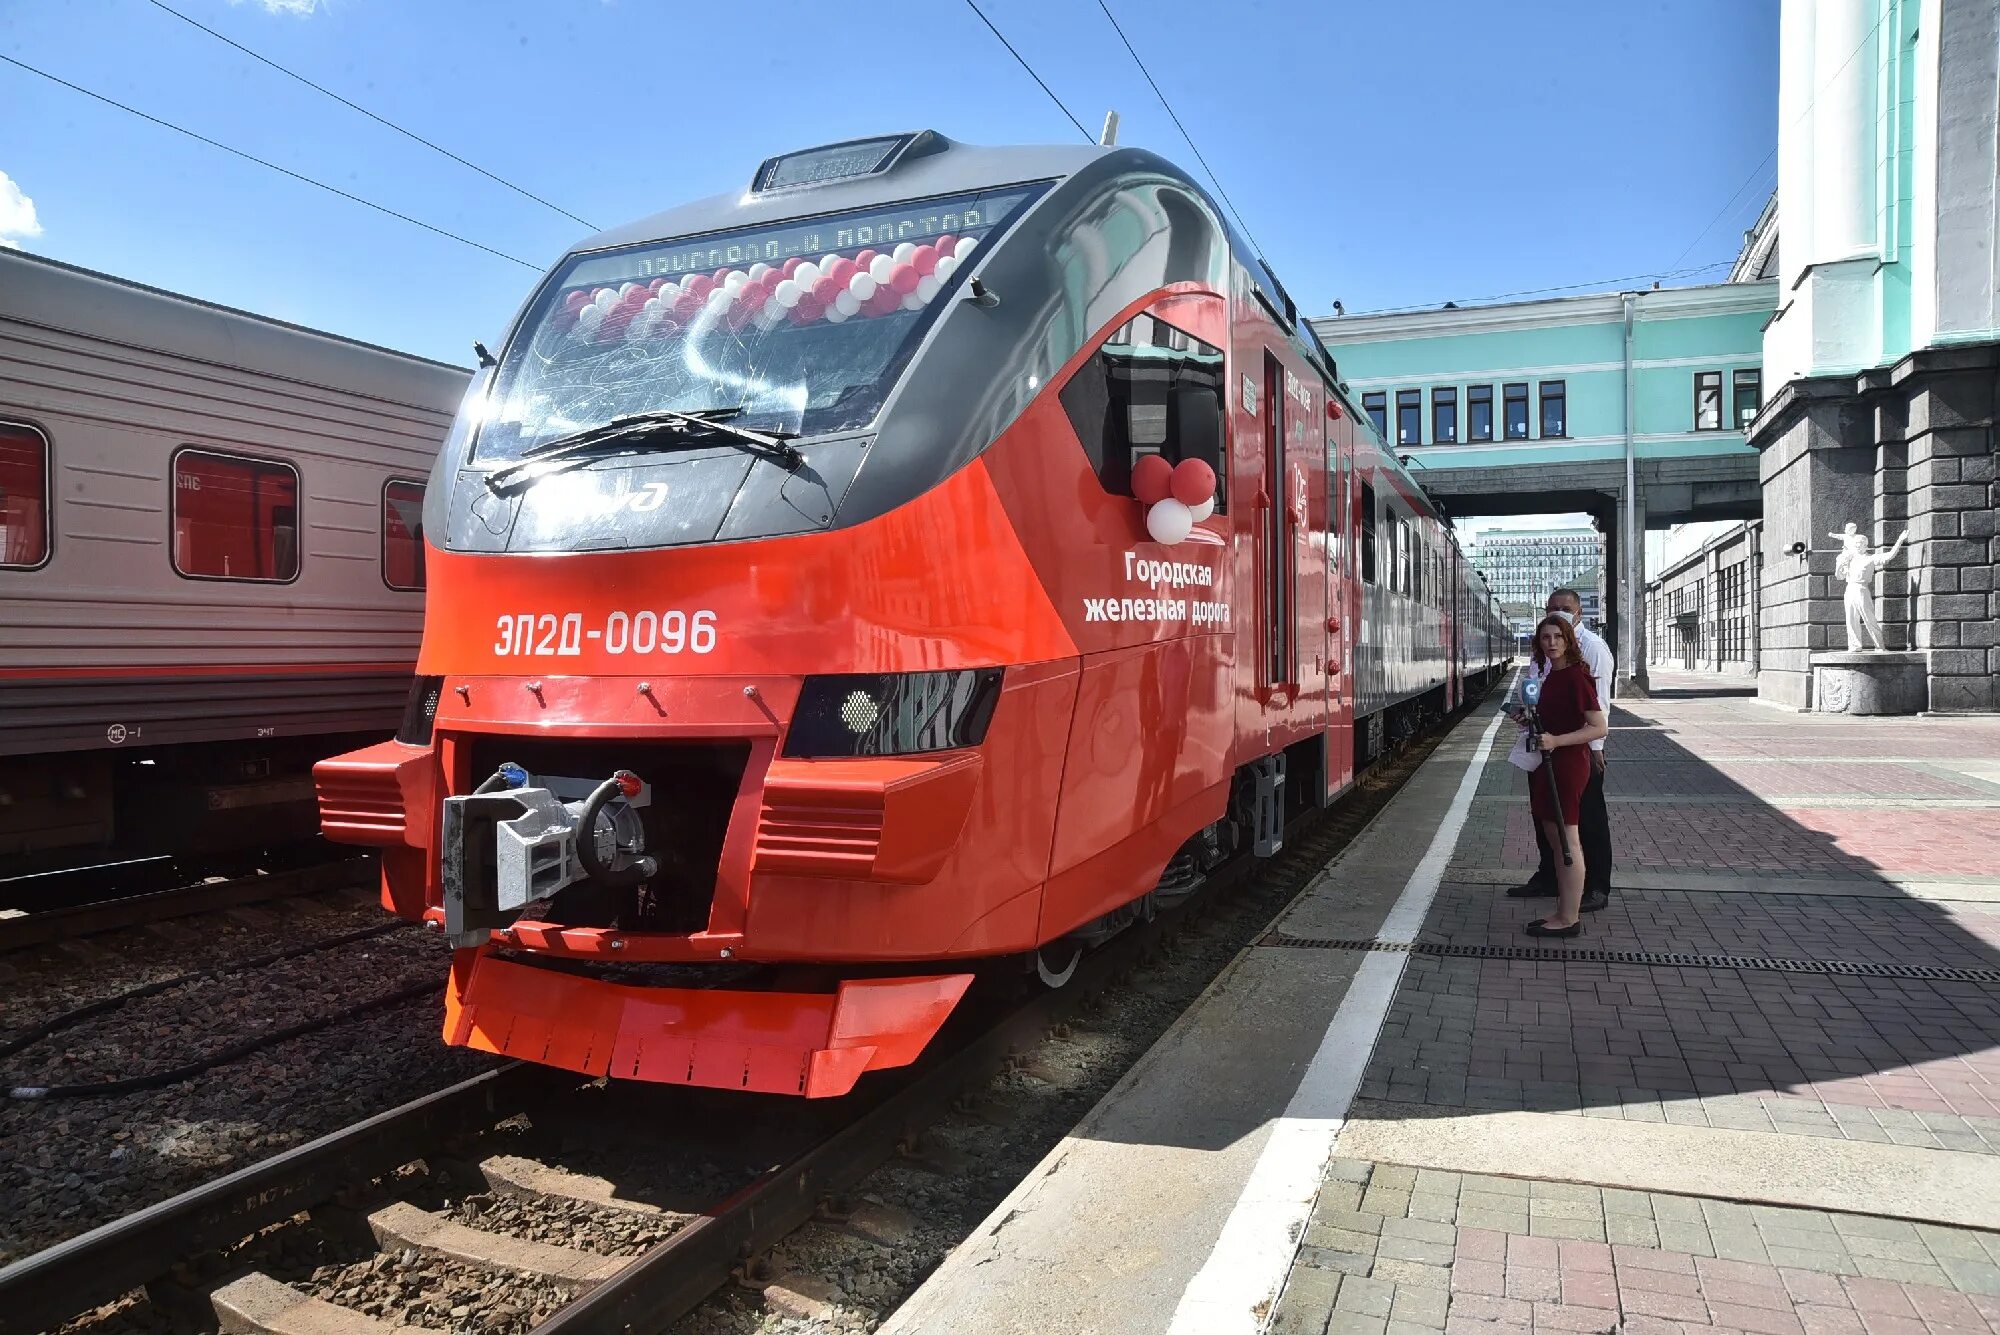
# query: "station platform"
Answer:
x=1760 y=1093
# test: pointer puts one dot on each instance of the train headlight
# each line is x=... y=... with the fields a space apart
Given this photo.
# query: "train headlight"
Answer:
x=892 y=714
x=420 y=711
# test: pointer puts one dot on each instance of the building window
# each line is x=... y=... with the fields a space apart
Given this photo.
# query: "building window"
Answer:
x=1555 y=418
x=24 y=496
x=235 y=518
x=1749 y=388
x=1376 y=405
x=1152 y=388
x=1444 y=417
x=1708 y=401
x=1516 y=407
x=1409 y=417
x=1367 y=532
x=403 y=535
x=1479 y=413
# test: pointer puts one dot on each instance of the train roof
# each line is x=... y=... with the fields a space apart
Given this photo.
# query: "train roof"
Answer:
x=54 y=294
x=885 y=169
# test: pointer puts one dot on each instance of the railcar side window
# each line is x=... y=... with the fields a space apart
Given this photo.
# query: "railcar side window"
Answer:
x=235 y=518
x=24 y=496
x=1367 y=533
x=403 y=535
x=1152 y=388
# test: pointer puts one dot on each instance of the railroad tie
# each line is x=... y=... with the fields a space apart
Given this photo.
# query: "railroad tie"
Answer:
x=405 y=1225
x=256 y=1304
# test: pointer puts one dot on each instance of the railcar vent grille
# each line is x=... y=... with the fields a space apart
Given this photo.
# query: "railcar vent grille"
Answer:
x=1651 y=959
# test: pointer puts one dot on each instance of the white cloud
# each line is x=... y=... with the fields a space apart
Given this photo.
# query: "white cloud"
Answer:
x=302 y=8
x=17 y=215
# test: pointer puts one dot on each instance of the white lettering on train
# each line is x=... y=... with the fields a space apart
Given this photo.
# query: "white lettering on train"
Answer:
x=548 y=635
x=1168 y=574
x=1161 y=610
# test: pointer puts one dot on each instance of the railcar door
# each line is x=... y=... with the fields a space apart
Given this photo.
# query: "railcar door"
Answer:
x=1339 y=450
x=1278 y=659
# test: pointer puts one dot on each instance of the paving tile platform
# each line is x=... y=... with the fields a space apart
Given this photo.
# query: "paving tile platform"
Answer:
x=1761 y=1093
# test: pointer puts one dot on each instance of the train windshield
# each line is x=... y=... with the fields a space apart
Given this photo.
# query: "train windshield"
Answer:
x=803 y=325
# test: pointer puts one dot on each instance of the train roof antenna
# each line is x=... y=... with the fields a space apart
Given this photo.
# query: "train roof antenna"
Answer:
x=1110 y=135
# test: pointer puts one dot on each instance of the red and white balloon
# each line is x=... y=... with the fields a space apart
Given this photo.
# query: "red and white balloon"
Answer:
x=833 y=288
x=1176 y=496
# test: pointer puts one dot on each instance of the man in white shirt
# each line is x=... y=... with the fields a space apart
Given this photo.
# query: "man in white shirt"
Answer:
x=1594 y=828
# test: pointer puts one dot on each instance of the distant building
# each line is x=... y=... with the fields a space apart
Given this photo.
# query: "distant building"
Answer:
x=1702 y=610
x=1525 y=566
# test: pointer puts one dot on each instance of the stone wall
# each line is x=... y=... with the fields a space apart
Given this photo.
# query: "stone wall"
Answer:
x=1910 y=446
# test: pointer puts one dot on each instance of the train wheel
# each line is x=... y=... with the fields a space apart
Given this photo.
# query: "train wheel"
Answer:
x=1055 y=963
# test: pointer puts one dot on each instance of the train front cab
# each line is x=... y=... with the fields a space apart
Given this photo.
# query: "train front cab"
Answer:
x=949 y=707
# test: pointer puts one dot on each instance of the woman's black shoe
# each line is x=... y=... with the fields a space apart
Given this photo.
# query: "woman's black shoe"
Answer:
x=1532 y=890
x=1536 y=928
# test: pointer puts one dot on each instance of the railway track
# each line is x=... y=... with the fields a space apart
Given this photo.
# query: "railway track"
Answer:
x=62 y=904
x=236 y=1252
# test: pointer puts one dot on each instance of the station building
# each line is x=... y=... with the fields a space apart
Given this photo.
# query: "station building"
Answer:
x=1883 y=351
x=1848 y=372
x=1702 y=610
x=1628 y=407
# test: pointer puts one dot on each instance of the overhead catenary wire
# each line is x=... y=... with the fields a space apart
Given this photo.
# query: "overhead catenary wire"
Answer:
x=1023 y=60
x=1175 y=118
x=1544 y=291
x=1758 y=172
x=378 y=119
x=263 y=162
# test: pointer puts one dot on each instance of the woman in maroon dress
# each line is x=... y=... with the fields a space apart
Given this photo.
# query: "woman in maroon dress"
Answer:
x=1571 y=718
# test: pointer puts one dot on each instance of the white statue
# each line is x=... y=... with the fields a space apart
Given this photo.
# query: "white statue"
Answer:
x=1857 y=565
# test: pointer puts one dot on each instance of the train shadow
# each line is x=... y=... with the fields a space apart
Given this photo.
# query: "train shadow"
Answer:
x=1802 y=938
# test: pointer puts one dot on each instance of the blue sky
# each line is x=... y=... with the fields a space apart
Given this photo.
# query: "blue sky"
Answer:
x=1383 y=155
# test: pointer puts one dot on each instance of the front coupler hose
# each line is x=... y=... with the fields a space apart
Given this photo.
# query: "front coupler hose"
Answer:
x=642 y=868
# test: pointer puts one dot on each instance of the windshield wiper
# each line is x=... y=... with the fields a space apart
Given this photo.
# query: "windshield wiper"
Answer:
x=697 y=427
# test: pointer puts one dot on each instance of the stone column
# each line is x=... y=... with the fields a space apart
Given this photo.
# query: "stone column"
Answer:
x=1944 y=588
x=1817 y=466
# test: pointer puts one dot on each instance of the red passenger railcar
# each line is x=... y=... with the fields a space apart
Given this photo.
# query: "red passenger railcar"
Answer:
x=932 y=555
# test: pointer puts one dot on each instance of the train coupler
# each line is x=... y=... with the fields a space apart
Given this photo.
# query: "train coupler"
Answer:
x=519 y=838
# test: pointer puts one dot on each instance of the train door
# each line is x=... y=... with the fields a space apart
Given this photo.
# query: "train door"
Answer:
x=1339 y=624
x=1278 y=659
x=1454 y=626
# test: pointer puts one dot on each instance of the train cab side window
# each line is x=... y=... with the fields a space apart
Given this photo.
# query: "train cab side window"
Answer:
x=403 y=534
x=24 y=497
x=234 y=517
x=1367 y=533
x=1152 y=388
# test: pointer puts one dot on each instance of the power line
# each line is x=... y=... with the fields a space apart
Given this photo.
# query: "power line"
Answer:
x=1543 y=291
x=251 y=157
x=1234 y=211
x=1730 y=204
x=1087 y=135
x=1804 y=111
x=380 y=120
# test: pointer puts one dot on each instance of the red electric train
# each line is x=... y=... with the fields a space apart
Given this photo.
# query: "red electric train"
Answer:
x=931 y=555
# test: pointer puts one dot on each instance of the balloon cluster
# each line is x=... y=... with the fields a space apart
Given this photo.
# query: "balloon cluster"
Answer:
x=865 y=285
x=1176 y=496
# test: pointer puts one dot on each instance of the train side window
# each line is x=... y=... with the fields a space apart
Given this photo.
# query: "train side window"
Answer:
x=1152 y=388
x=1367 y=533
x=403 y=534
x=235 y=517
x=24 y=497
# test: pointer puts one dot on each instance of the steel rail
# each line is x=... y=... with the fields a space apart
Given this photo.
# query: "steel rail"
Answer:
x=666 y=1282
x=34 y=929
x=40 y=1292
